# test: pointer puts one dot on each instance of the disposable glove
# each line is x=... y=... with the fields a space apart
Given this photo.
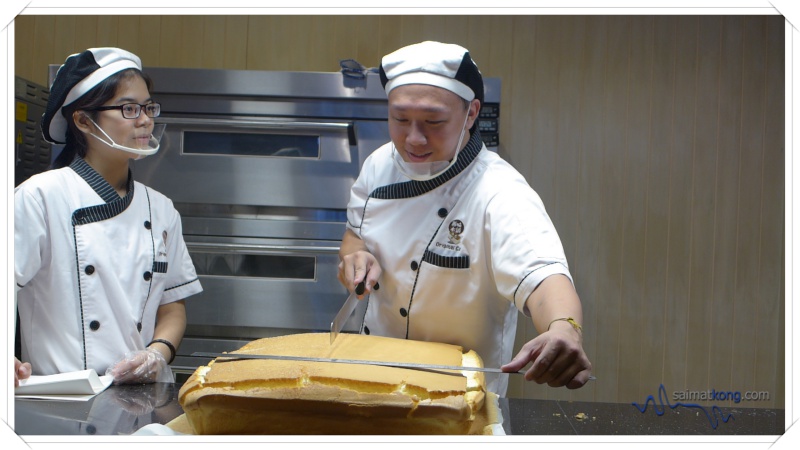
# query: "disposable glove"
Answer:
x=142 y=366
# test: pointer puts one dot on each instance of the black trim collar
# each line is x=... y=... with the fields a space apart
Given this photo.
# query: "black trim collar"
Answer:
x=413 y=188
x=114 y=204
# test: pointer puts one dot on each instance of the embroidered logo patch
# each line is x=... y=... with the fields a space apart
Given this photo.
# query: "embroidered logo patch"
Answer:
x=456 y=228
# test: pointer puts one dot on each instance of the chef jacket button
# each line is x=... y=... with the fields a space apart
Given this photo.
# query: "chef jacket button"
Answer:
x=147 y=224
x=91 y=429
x=94 y=325
x=366 y=330
x=139 y=326
x=147 y=276
x=414 y=266
x=442 y=213
x=89 y=269
x=403 y=312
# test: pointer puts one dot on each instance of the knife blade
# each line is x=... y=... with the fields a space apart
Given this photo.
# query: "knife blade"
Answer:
x=345 y=312
x=402 y=365
x=437 y=368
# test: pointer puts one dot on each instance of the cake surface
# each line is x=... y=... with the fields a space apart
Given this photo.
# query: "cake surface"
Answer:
x=262 y=396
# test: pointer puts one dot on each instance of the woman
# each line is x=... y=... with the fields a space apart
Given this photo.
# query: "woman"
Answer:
x=100 y=262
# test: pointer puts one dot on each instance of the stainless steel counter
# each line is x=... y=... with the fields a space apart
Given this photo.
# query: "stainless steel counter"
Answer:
x=122 y=410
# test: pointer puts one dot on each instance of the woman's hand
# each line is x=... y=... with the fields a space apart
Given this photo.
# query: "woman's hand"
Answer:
x=143 y=366
x=21 y=371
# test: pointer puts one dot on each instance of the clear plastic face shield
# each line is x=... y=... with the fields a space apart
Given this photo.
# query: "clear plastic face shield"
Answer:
x=428 y=170
x=145 y=144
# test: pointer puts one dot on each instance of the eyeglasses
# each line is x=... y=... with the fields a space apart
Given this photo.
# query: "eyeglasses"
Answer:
x=133 y=110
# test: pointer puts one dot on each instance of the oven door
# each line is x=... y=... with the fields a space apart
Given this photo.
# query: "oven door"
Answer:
x=255 y=283
x=254 y=161
x=256 y=287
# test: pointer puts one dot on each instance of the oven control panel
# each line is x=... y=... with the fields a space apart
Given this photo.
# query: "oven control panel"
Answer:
x=489 y=125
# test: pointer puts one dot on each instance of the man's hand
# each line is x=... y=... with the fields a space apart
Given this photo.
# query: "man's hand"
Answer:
x=558 y=358
x=357 y=265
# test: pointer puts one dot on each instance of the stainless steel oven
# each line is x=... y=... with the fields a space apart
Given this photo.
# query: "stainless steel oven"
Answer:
x=260 y=166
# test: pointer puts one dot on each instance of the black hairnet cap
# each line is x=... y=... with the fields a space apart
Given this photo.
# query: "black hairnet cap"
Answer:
x=78 y=75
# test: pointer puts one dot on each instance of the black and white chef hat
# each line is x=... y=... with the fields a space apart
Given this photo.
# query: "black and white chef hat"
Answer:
x=78 y=75
x=447 y=66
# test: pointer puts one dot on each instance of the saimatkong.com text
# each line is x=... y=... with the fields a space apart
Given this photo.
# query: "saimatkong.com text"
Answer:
x=719 y=396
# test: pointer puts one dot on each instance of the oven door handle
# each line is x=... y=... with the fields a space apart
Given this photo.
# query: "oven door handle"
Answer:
x=258 y=248
x=265 y=124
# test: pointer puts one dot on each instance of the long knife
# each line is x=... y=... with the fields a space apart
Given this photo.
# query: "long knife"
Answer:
x=345 y=312
x=438 y=368
x=403 y=365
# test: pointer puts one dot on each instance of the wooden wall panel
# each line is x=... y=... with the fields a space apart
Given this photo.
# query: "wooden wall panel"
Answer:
x=544 y=101
x=703 y=194
x=25 y=41
x=128 y=35
x=769 y=363
x=751 y=156
x=43 y=51
x=541 y=139
x=263 y=52
x=720 y=357
x=612 y=329
x=656 y=208
x=149 y=32
x=86 y=37
x=570 y=31
x=635 y=159
x=587 y=263
x=213 y=42
x=64 y=42
x=107 y=31
x=171 y=37
x=235 y=38
x=656 y=144
x=193 y=43
x=681 y=137
x=521 y=90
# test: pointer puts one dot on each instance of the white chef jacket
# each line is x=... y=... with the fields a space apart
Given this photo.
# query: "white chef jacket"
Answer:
x=92 y=268
x=460 y=253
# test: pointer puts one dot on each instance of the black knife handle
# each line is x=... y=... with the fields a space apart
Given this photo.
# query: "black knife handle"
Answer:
x=362 y=287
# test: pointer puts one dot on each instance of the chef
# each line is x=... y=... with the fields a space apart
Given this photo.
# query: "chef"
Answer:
x=100 y=263
x=457 y=238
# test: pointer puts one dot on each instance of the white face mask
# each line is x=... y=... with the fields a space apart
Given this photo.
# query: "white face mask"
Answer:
x=424 y=171
x=150 y=149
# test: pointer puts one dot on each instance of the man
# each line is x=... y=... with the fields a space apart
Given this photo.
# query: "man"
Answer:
x=455 y=235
